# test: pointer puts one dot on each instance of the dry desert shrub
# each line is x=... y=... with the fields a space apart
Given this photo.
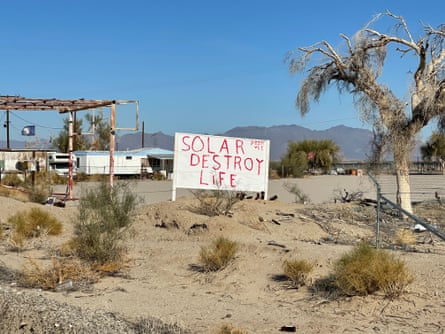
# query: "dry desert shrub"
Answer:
x=214 y=203
x=29 y=224
x=155 y=326
x=12 y=180
x=69 y=249
x=297 y=271
x=34 y=222
x=218 y=254
x=326 y=287
x=391 y=275
x=405 y=237
x=300 y=196
x=229 y=329
x=365 y=270
x=72 y=270
x=38 y=194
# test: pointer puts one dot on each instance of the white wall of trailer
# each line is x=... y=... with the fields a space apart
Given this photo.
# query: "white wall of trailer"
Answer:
x=59 y=163
x=91 y=163
x=9 y=160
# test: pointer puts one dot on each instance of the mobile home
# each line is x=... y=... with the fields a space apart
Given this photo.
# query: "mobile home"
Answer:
x=128 y=163
x=140 y=162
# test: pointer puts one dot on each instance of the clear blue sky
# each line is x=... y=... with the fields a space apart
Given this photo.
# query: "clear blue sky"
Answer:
x=195 y=66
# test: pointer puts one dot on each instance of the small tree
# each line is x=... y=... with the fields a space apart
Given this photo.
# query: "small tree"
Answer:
x=100 y=131
x=61 y=141
x=98 y=128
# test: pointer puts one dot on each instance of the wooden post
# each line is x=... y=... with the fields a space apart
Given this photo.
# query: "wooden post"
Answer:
x=8 y=145
x=70 y=155
x=112 y=141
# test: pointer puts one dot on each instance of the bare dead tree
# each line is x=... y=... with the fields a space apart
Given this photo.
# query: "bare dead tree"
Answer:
x=356 y=71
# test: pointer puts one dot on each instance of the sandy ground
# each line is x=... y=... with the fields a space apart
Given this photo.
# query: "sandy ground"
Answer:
x=320 y=189
x=250 y=294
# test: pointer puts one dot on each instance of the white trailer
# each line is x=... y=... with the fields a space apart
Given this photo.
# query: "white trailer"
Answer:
x=59 y=163
x=126 y=163
x=17 y=161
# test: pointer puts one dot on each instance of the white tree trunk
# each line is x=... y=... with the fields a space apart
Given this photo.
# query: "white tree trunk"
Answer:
x=403 y=184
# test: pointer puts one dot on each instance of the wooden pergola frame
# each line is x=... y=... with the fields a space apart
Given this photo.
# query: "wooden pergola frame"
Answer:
x=71 y=106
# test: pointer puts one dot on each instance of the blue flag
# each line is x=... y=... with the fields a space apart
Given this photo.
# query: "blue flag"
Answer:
x=29 y=130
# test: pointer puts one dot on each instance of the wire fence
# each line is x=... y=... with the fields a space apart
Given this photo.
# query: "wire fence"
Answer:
x=420 y=230
x=423 y=187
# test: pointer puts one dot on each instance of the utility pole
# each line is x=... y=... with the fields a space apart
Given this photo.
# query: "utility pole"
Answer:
x=6 y=125
x=143 y=134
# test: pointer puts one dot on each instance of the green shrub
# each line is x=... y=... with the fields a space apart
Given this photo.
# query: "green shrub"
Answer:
x=366 y=270
x=218 y=255
x=104 y=215
x=297 y=271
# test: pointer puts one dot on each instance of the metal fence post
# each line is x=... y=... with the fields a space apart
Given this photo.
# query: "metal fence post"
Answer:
x=378 y=208
x=377 y=233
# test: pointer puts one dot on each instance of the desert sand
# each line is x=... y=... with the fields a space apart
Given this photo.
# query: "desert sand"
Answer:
x=250 y=294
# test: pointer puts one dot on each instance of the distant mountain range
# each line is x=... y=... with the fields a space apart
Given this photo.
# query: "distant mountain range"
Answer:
x=354 y=143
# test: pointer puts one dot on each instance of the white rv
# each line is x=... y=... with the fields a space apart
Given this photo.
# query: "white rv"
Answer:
x=59 y=163
x=126 y=163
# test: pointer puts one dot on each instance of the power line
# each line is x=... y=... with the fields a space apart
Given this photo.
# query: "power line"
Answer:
x=39 y=125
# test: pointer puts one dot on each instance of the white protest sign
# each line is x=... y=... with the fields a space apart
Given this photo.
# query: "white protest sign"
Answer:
x=220 y=163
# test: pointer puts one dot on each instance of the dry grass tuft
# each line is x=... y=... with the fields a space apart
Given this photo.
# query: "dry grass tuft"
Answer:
x=297 y=271
x=218 y=255
x=111 y=268
x=405 y=237
x=153 y=325
x=35 y=275
x=12 y=180
x=228 y=329
x=32 y=223
x=214 y=203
